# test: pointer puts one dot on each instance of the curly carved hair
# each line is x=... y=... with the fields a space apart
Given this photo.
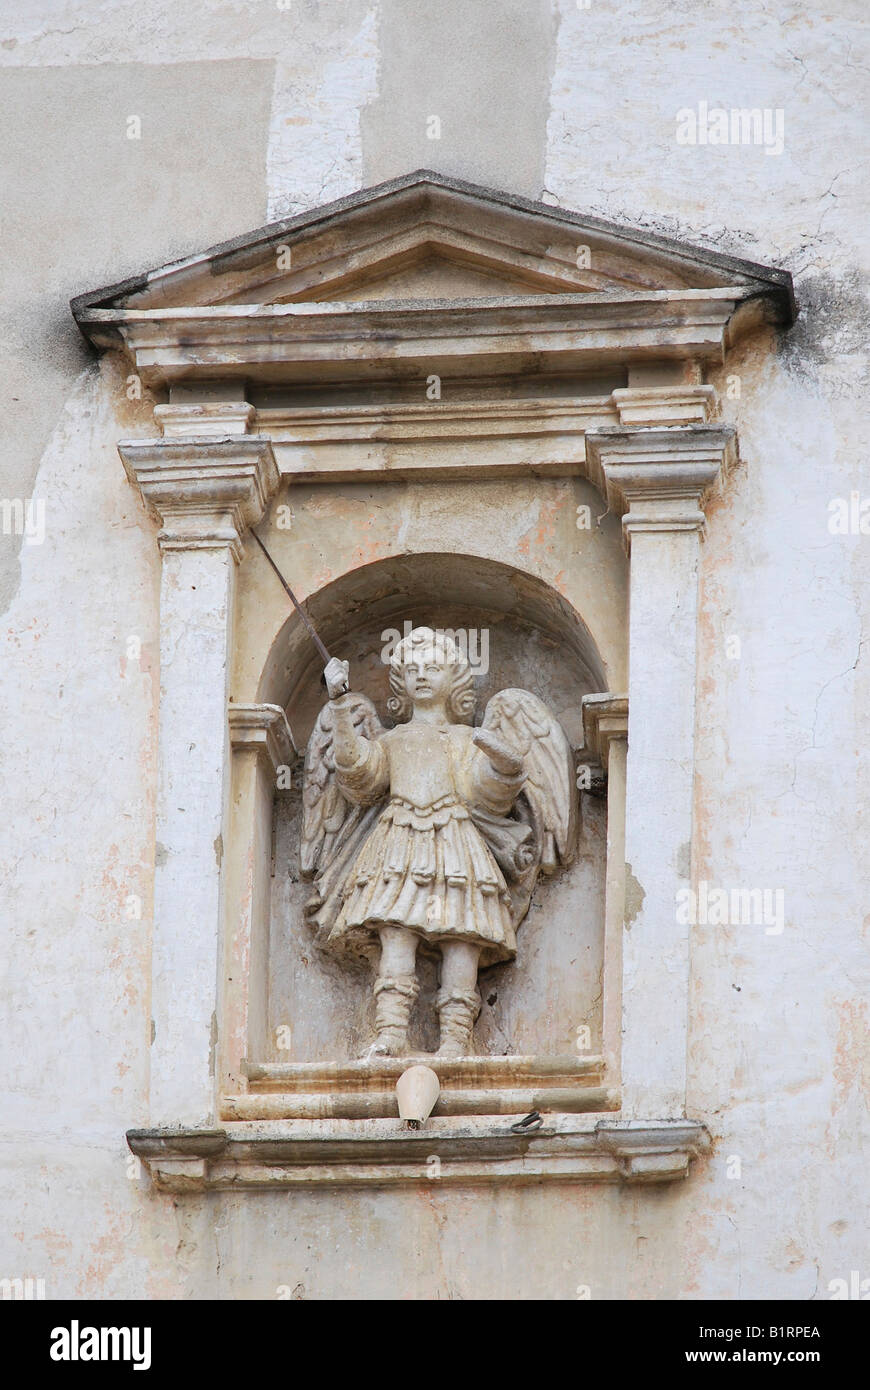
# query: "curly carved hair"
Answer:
x=460 y=701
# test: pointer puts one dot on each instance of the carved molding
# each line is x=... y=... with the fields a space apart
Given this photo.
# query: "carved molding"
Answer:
x=382 y=1153
x=468 y=336
x=468 y=439
x=665 y=405
x=366 y=1089
x=438 y=440
x=199 y=419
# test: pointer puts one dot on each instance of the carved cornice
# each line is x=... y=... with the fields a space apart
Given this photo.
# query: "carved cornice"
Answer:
x=206 y=492
x=300 y=342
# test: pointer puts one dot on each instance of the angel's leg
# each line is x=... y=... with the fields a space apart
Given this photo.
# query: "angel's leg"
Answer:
x=395 y=990
x=457 y=1001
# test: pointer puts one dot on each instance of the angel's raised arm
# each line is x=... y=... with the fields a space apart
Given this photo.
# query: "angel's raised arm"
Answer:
x=361 y=767
x=348 y=747
x=327 y=799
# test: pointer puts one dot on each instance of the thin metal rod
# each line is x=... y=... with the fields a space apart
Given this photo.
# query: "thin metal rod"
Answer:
x=294 y=600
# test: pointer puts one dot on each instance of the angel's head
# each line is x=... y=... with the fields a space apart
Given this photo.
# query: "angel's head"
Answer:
x=428 y=670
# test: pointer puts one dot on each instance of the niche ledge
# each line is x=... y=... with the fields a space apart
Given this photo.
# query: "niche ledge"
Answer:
x=382 y=1153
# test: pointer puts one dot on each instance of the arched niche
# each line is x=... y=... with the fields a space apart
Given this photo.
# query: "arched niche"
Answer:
x=519 y=632
x=528 y=627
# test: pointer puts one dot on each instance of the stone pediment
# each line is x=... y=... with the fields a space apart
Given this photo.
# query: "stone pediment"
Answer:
x=428 y=237
x=421 y=257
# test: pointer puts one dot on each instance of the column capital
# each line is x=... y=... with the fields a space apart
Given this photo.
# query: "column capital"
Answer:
x=658 y=476
x=265 y=730
x=206 y=492
x=605 y=718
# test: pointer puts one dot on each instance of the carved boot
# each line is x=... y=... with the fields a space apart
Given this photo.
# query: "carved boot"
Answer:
x=457 y=1009
x=394 y=996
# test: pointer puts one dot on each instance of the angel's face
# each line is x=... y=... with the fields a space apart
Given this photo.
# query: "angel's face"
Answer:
x=427 y=677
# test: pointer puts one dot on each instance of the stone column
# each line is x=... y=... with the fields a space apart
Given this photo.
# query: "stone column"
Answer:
x=605 y=730
x=205 y=492
x=262 y=746
x=658 y=477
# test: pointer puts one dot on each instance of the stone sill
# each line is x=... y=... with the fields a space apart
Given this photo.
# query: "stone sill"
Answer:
x=366 y=1090
x=382 y=1153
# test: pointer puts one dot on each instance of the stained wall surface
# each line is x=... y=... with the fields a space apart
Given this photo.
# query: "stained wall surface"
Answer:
x=248 y=112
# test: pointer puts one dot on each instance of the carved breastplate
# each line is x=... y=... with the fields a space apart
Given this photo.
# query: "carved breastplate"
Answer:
x=421 y=766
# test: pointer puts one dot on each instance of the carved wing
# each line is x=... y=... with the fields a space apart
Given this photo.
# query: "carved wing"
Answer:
x=529 y=729
x=328 y=820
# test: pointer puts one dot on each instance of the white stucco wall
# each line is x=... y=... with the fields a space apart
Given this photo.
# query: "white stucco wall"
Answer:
x=249 y=111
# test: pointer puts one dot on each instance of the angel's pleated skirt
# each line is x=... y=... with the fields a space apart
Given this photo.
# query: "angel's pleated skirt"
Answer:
x=433 y=872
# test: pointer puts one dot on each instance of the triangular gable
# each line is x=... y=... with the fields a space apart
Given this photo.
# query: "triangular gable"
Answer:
x=425 y=237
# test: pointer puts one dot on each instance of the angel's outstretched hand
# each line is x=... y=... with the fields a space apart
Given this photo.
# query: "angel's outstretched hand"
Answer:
x=501 y=757
x=337 y=677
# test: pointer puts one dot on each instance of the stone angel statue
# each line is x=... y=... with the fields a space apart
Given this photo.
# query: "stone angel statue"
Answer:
x=432 y=832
